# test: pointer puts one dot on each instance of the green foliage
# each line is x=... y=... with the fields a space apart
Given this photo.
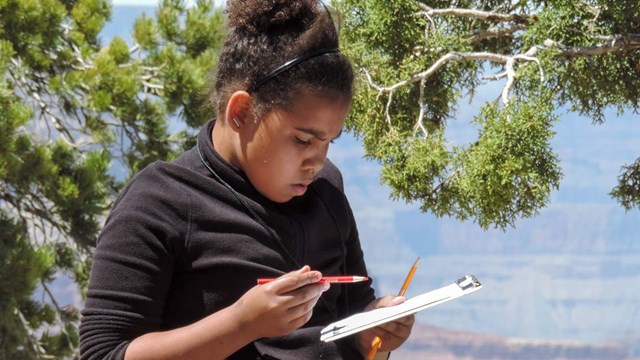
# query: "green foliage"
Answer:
x=418 y=60
x=21 y=269
x=512 y=166
x=628 y=189
x=591 y=84
x=73 y=110
x=89 y=17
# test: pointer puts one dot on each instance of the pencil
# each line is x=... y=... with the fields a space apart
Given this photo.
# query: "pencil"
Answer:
x=403 y=290
x=327 y=279
x=407 y=281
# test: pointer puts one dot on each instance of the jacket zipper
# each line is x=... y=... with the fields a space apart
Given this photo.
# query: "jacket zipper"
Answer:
x=300 y=243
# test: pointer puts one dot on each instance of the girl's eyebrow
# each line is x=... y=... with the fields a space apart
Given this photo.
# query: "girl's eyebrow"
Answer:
x=320 y=135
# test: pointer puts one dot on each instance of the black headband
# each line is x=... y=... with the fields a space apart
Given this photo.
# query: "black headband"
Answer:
x=286 y=66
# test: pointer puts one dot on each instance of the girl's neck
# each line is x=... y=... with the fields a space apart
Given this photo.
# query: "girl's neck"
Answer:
x=222 y=138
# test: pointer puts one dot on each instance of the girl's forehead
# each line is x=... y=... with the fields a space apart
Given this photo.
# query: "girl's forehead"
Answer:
x=319 y=117
x=314 y=104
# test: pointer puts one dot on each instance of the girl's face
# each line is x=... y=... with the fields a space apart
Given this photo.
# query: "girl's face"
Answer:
x=284 y=150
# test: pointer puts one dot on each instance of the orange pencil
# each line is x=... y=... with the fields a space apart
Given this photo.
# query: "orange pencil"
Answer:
x=377 y=341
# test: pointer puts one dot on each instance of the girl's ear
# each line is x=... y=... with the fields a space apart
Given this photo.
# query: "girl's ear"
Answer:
x=239 y=110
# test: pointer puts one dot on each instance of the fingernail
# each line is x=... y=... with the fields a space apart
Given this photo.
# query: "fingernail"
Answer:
x=398 y=300
x=326 y=286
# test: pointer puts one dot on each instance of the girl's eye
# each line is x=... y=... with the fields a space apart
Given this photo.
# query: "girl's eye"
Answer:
x=302 y=141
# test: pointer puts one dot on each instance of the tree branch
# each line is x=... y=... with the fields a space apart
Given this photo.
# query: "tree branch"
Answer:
x=476 y=14
x=615 y=43
x=498 y=58
x=493 y=33
x=33 y=90
x=508 y=61
x=443 y=182
x=511 y=73
x=422 y=103
x=32 y=339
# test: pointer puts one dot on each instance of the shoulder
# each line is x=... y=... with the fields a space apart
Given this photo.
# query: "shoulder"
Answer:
x=160 y=191
x=159 y=181
x=154 y=208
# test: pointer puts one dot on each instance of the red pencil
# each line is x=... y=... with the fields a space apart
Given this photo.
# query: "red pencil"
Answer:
x=329 y=279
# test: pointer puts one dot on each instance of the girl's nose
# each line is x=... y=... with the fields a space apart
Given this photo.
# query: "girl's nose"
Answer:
x=315 y=161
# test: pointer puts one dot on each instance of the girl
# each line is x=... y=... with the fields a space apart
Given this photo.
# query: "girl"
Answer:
x=175 y=268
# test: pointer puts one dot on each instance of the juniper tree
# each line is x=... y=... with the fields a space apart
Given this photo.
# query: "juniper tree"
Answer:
x=418 y=59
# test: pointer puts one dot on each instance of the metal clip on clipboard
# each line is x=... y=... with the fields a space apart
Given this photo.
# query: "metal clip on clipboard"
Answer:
x=365 y=320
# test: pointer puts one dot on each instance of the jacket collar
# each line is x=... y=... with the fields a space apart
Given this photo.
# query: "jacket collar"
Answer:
x=228 y=173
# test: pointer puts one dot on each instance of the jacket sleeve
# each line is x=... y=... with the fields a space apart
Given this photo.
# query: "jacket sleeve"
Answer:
x=132 y=265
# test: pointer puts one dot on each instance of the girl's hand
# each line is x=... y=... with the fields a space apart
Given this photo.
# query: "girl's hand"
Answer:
x=281 y=306
x=393 y=333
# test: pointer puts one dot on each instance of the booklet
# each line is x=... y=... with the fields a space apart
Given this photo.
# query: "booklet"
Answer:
x=369 y=319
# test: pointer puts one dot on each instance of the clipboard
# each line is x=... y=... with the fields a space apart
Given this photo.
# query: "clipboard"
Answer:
x=365 y=320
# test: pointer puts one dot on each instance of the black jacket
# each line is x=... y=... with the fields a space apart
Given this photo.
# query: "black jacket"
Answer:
x=179 y=244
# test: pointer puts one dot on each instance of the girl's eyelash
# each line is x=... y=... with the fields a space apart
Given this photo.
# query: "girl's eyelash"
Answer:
x=302 y=142
x=308 y=142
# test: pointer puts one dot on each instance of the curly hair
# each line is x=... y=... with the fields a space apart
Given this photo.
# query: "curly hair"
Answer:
x=264 y=34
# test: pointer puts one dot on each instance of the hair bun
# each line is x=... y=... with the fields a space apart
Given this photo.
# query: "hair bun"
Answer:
x=266 y=16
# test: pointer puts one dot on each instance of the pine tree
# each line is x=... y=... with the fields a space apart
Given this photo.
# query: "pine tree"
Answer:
x=71 y=110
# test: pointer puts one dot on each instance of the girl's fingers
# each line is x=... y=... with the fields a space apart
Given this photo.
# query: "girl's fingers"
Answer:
x=294 y=280
x=306 y=294
x=385 y=301
x=397 y=328
x=393 y=333
x=296 y=288
x=407 y=320
x=304 y=308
